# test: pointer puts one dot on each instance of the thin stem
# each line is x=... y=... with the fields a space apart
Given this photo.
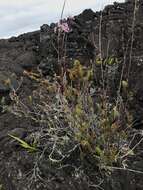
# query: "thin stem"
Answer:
x=125 y=169
x=63 y=8
x=132 y=39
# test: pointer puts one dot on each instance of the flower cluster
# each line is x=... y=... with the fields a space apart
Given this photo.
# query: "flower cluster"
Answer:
x=63 y=26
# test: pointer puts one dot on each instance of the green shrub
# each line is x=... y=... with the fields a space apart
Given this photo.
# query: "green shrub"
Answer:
x=66 y=105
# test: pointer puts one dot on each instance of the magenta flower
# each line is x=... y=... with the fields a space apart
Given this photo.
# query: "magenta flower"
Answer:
x=62 y=26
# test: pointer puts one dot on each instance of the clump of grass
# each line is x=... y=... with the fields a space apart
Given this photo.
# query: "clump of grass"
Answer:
x=71 y=115
x=80 y=127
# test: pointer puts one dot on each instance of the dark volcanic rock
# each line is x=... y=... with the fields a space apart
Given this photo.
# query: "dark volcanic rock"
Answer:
x=114 y=25
x=27 y=60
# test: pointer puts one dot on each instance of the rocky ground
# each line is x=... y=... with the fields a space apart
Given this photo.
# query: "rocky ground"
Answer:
x=121 y=33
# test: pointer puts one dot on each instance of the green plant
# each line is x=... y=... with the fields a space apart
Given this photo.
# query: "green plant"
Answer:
x=93 y=124
x=1 y=187
x=97 y=130
x=25 y=145
x=76 y=120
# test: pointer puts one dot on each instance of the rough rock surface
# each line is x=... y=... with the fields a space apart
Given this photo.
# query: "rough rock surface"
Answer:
x=110 y=32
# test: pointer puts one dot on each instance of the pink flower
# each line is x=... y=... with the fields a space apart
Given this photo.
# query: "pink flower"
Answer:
x=62 y=26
